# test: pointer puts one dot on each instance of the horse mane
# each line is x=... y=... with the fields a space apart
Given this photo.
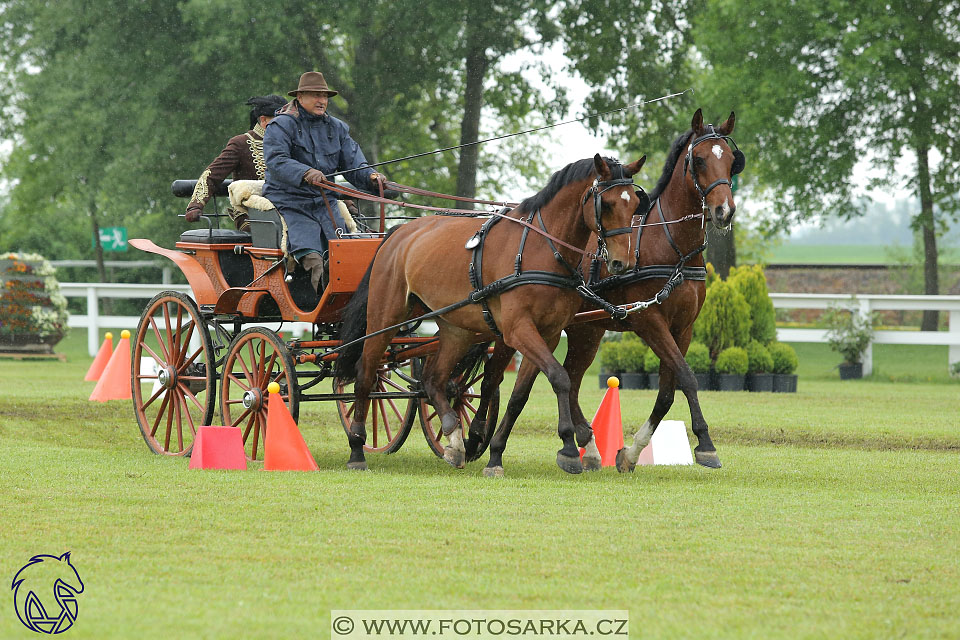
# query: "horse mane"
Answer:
x=678 y=148
x=573 y=172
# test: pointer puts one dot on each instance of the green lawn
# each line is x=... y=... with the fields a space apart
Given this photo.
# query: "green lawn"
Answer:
x=835 y=515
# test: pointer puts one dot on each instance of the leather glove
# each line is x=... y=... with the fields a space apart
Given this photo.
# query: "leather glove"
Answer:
x=314 y=177
x=377 y=177
x=352 y=207
x=194 y=211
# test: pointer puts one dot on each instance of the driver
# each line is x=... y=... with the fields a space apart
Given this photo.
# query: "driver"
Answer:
x=301 y=144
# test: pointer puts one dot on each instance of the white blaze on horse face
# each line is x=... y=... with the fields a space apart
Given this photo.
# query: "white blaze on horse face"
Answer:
x=717 y=151
x=625 y=196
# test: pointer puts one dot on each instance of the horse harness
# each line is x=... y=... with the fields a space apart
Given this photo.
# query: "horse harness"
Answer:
x=574 y=280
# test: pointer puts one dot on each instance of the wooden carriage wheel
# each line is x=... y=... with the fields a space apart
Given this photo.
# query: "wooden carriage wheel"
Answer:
x=389 y=419
x=173 y=374
x=464 y=396
x=256 y=357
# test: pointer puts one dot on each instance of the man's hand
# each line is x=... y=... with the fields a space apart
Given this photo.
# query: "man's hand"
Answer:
x=314 y=177
x=377 y=177
x=194 y=211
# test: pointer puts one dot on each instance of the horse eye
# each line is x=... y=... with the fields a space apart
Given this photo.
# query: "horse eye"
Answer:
x=700 y=162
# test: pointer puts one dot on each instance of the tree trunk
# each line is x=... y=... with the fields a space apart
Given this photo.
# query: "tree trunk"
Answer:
x=931 y=284
x=98 y=249
x=477 y=64
x=721 y=250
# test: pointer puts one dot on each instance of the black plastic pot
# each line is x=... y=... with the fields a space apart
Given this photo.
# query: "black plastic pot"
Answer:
x=633 y=381
x=785 y=382
x=759 y=382
x=704 y=382
x=653 y=380
x=603 y=378
x=730 y=382
x=851 y=371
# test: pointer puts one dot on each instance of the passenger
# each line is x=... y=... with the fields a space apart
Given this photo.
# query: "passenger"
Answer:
x=301 y=145
x=242 y=157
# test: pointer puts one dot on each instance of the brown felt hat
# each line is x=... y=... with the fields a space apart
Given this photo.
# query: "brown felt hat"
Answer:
x=312 y=81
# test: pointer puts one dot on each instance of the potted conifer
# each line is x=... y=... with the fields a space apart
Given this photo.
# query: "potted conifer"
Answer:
x=698 y=357
x=759 y=367
x=631 y=356
x=651 y=364
x=784 y=364
x=732 y=364
x=609 y=361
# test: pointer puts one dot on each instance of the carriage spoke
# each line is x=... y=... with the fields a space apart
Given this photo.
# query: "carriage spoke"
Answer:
x=467 y=406
x=269 y=367
x=388 y=381
x=177 y=399
x=236 y=423
x=261 y=363
x=176 y=336
x=182 y=351
x=190 y=361
x=166 y=322
x=253 y=361
x=236 y=380
x=156 y=423
x=159 y=340
x=256 y=434
x=187 y=393
x=246 y=372
x=396 y=411
x=155 y=357
x=376 y=405
x=477 y=378
x=170 y=410
x=153 y=397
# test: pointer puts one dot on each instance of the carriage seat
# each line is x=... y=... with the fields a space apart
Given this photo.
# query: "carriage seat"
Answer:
x=266 y=228
x=215 y=236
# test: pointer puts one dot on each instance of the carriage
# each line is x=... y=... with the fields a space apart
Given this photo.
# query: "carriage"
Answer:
x=216 y=352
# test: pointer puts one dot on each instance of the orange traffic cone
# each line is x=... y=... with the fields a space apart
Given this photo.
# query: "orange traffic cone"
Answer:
x=218 y=448
x=284 y=449
x=114 y=382
x=607 y=425
x=100 y=361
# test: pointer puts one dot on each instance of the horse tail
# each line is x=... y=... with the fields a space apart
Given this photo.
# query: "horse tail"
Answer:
x=354 y=325
x=470 y=364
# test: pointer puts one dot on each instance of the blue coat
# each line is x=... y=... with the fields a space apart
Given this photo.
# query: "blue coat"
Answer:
x=294 y=142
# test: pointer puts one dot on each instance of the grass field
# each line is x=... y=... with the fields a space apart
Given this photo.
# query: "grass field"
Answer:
x=835 y=515
x=788 y=252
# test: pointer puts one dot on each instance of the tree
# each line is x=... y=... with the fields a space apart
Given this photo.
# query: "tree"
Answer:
x=824 y=85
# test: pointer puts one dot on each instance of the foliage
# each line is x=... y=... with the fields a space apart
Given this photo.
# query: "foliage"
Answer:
x=955 y=369
x=698 y=357
x=631 y=355
x=849 y=332
x=784 y=357
x=750 y=281
x=609 y=356
x=733 y=360
x=711 y=274
x=651 y=362
x=31 y=305
x=760 y=360
x=724 y=320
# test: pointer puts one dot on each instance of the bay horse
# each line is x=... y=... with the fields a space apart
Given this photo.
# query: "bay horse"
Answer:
x=523 y=288
x=695 y=180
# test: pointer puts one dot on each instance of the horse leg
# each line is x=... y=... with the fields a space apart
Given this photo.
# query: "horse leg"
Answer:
x=658 y=337
x=582 y=344
x=373 y=350
x=454 y=344
x=531 y=344
x=518 y=399
x=705 y=453
x=492 y=377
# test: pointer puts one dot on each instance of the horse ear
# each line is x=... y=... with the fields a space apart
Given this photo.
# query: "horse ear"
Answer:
x=696 y=124
x=727 y=127
x=633 y=167
x=603 y=171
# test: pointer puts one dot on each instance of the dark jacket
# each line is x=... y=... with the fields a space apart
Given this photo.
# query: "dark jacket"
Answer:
x=294 y=142
x=242 y=157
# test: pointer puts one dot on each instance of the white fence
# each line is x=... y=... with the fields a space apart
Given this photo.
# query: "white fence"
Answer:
x=866 y=303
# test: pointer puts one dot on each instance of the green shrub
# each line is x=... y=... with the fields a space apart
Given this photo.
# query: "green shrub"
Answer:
x=698 y=357
x=849 y=332
x=733 y=360
x=783 y=356
x=631 y=356
x=651 y=363
x=610 y=357
x=760 y=360
x=752 y=284
x=724 y=320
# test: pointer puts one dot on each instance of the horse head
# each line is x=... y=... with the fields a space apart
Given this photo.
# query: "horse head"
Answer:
x=710 y=165
x=615 y=201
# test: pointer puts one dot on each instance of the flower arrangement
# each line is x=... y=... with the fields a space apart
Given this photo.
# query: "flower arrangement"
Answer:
x=33 y=313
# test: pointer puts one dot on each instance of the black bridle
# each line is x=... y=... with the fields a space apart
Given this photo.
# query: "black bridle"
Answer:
x=598 y=188
x=739 y=162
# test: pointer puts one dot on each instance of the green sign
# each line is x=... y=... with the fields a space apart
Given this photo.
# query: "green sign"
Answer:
x=735 y=183
x=113 y=238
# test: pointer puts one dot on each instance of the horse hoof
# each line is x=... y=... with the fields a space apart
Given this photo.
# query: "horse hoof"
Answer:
x=624 y=465
x=708 y=459
x=357 y=466
x=591 y=464
x=569 y=464
x=493 y=472
x=454 y=457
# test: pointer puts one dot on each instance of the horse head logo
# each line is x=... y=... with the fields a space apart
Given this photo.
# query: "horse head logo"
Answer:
x=45 y=593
